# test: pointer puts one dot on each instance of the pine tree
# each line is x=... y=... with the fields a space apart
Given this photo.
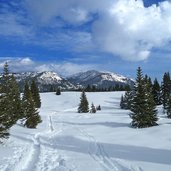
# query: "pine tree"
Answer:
x=83 y=106
x=98 y=107
x=143 y=107
x=126 y=100
x=14 y=101
x=93 y=109
x=166 y=89
x=35 y=94
x=156 y=91
x=122 y=102
x=58 y=91
x=32 y=117
x=168 y=107
x=10 y=102
x=4 y=117
x=150 y=118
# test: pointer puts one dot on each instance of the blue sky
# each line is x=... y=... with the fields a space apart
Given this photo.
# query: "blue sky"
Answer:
x=70 y=36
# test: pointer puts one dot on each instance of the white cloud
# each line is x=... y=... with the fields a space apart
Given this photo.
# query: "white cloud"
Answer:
x=17 y=64
x=66 y=68
x=130 y=30
x=124 y=28
x=27 y=64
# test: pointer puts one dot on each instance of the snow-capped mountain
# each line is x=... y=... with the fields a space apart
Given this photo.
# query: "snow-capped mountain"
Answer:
x=51 y=80
x=45 y=80
x=100 y=79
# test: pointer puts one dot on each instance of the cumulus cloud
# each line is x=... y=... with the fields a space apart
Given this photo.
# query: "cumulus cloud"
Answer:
x=65 y=68
x=25 y=64
x=17 y=64
x=124 y=28
x=130 y=30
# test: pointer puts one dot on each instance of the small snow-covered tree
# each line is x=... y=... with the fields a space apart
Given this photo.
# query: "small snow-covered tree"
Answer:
x=58 y=91
x=93 y=109
x=98 y=107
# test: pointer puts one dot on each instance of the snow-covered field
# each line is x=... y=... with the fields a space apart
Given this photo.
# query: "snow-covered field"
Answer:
x=68 y=141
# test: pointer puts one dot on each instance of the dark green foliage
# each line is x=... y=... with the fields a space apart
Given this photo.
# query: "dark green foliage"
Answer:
x=31 y=115
x=168 y=107
x=122 y=102
x=117 y=87
x=166 y=89
x=83 y=106
x=10 y=102
x=93 y=109
x=58 y=91
x=35 y=94
x=126 y=100
x=98 y=108
x=156 y=91
x=143 y=106
x=4 y=125
x=151 y=112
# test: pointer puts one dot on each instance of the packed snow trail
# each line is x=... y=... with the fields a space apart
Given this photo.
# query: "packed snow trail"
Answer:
x=50 y=124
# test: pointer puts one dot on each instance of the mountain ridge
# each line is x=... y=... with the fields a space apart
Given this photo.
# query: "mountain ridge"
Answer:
x=48 y=80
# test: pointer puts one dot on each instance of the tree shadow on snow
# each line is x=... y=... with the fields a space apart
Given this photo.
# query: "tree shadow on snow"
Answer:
x=107 y=124
x=126 y=152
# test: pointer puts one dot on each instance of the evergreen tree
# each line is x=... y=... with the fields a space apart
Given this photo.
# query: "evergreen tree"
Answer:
x=35 y=94
x=10 y=102
x=58 y=91
x=126 y=100
x=168 y=107
x=88 y=88
x=4 y=118
x=122 y=102
x=93 y=109
x=156 y=92
x=143 y=107
x=14 y=101
x=32 y=117
x=166 y=89
x=98 y=107
x=151 y=112
x=83 y=106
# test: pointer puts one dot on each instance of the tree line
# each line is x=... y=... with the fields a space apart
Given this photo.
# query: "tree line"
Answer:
x=94 y=88
x=143 y=99
x=14 y=107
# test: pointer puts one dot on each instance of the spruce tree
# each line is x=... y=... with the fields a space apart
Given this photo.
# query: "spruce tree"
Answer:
x=166 y=89
x=32 y=117
x=126 y=100
x=122 y=102
x=150 y=118
x=83 y=106
x=35 y=94
x=168 y=107
x=58 y=91
x=143 y=107
x=98 y=107
x=10 y=102
x=156 y=91
x=93 y=109
x=4 y=118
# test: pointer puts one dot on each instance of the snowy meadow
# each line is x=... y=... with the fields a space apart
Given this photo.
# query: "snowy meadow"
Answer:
x=71 y=141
